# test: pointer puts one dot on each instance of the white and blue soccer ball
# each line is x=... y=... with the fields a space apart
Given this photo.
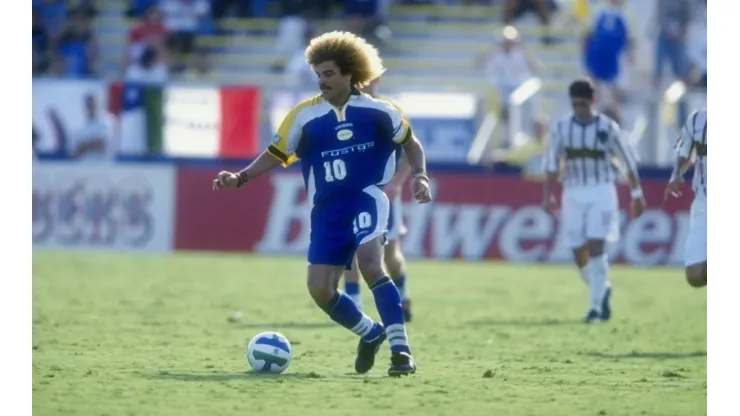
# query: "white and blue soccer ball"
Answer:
x=269 y=352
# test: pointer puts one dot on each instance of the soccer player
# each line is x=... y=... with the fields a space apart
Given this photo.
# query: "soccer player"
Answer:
x=346 y=142
x=693 y=139
x=395 y=261
x=587 y=141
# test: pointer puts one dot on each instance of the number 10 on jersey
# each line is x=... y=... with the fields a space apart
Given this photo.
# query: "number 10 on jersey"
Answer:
x=335 y=170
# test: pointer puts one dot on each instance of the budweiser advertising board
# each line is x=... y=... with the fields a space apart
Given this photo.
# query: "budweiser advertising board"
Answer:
x=472 y=216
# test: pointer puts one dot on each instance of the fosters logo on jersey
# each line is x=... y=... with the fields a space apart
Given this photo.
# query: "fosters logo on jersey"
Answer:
x=344 y=132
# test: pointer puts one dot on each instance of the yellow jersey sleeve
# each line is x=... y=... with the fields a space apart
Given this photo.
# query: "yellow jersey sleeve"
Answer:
x=285 y=141
x=401 y=126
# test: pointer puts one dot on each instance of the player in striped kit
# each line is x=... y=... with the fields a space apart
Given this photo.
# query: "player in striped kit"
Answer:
x=586 y=143
x=693 y=140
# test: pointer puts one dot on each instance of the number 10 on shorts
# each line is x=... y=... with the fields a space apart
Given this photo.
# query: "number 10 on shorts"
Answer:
x=335 y=170
x=363 y=221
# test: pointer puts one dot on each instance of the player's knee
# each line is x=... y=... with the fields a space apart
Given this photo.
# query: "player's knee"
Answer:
x=370 y=262
x=372 y=271
x=581 y=256
x=695 y=276
x=371 y=268
x=321 y=288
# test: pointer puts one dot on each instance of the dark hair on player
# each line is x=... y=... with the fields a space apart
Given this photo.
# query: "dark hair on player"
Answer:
x=351 y=53
x=582 y=88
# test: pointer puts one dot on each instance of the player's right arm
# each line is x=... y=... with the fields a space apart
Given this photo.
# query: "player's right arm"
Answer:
x=684 y=149
x=280 y=152
x=551 y=167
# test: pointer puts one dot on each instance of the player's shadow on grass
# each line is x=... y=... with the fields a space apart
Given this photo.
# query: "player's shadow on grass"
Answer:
x=650 y=355
x=523 y=322
x=286 y=325
x=218 y=377
x=252 y=376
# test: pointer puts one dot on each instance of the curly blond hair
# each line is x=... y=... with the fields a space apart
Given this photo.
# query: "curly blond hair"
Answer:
x=351 y=53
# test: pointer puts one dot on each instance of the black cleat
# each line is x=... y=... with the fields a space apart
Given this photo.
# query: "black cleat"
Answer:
x=402 y=364
x=406 y=310
x=593 y=317
x=366 y=352
x=606 y=306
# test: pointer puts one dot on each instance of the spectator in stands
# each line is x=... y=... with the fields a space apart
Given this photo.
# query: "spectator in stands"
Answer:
x=57 y=66
x=138 y=8
x=201 y=68
x=604 y=46
x=298 y=72
x=78 y=47
x=515 y=9
x=507 y=67
x=93 y=141
x=40 y=42
x=85 y=7
x=292 y=27
x=697 y=48
x=53 y=13
x=147 y=31
x=149 y=69
x=672 y=21
x=183 y=19
x=362 y=18
x=220 y=8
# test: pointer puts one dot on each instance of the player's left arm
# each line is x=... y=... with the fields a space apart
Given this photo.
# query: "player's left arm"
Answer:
x=627 y=159
x=402 y=173
x=403 y=135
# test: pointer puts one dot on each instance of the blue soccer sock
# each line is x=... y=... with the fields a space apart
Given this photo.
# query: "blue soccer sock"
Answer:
x=400 y=283
x=352 y=289
x=388 y=302
x=342 y=310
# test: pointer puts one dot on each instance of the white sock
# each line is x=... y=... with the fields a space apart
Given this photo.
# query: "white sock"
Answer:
x=357 y=299
x=583 y=272
x=598 y=268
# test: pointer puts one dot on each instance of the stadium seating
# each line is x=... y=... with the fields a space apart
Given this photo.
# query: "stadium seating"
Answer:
x=433 y=47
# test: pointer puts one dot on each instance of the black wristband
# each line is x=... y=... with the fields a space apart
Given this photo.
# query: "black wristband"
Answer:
x=241 y=178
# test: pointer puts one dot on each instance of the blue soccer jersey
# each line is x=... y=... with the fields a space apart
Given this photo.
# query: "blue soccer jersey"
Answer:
x=347 y=154
x=341 y=149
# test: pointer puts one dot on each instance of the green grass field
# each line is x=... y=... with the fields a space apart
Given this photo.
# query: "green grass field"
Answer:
x=153 y=335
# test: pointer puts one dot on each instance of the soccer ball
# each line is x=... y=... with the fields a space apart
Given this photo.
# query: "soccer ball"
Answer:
x=269 y=352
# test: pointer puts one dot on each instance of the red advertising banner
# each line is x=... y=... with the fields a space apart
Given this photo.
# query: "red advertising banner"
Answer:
x=472 y=216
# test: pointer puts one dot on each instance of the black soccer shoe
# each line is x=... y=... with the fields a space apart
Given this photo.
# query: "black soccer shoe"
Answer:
x=606 y=306
x=366 y=352
x=592 y=317
x=402 y=364
x=406 y=310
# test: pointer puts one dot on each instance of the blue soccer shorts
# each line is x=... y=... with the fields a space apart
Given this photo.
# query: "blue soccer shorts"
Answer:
x=339 y=226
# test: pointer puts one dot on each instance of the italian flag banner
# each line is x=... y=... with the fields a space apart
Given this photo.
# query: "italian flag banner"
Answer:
x=190 y=121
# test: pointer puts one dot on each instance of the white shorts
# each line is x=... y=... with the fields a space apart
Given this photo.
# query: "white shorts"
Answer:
x=590 y=213
x=696 y=240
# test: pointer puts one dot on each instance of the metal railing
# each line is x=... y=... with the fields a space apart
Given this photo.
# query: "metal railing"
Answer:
x=517 y=125
x=522 y=104
x=482 y=139
x=668 y=121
